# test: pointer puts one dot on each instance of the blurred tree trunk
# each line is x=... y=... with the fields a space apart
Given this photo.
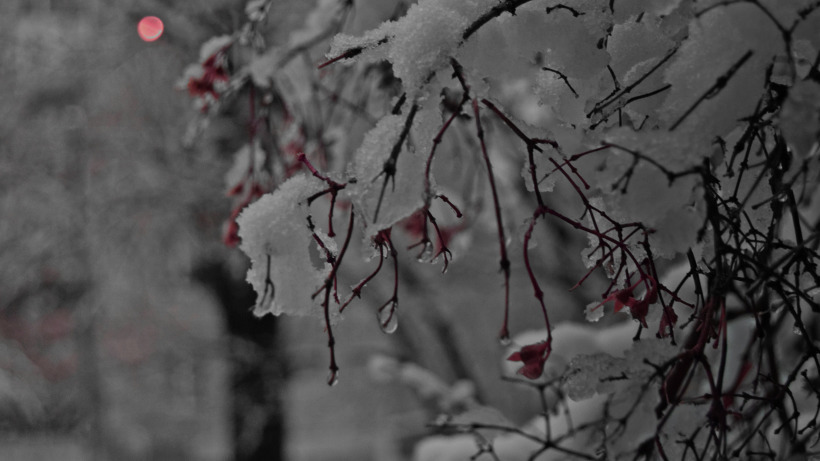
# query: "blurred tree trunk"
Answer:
x=257 y=367
x=78 y=182
x=90 y=379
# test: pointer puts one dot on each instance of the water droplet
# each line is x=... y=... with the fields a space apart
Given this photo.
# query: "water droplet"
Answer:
x=796 y=330
x=504 y=339
x=333 y=378
x=446 y=262
x=426 y=254
x=388 y=317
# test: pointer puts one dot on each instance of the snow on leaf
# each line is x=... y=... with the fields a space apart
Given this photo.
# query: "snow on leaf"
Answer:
x=276 y=238
x=652 y=350
x=589 y=374
x=635 y=48
x=594 y=312
x=603 y=373
x=367 y=48
x=401 y=194
x=214 y=45
x=489 y=54
x=803 y=104
x=564 y=42
x=667 y=209
x=569 y=340
x=627 y=9
x=756 y=197
x=419 y=43
x=566 y=104
x=712 y=85
x=425 y=39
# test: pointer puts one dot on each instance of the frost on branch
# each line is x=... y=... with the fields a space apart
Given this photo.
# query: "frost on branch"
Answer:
x=275 y=236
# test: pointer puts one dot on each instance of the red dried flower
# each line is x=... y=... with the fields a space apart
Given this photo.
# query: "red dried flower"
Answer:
x=534 y=356
x=638 y=308
x=231 y=235
x=213 y=70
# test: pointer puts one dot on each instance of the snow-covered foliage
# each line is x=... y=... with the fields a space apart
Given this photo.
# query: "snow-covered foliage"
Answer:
x=677 y=130
x=275 y=235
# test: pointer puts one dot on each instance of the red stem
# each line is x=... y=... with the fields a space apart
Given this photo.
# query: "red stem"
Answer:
x=328 y=286
x=357 y=290
x=502 y=240
x=538 y=293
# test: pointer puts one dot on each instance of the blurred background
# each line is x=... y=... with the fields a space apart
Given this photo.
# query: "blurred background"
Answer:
x=125 y=329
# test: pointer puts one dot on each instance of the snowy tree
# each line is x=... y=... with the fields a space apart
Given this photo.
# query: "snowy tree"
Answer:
x=678 y=139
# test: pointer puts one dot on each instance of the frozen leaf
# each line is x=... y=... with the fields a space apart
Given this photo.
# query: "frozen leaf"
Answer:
x=569 y=340
x=635 y=42
x=705 y=99
x=568 y=45
x=395 y=196
x=603 y=373
x=591 y=374
x=631 y=8
x=489 y=53
x=754 y=187
x=214 y=45
x=653 y=350
x=800 y=117
x=594 y=311
x=592 y=14
x=667 y=208
x=424 y=40
x=639 y=53
x=367 y=48
x=276 y=238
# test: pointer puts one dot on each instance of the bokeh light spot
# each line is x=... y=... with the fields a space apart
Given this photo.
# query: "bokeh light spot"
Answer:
x=150 y=28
